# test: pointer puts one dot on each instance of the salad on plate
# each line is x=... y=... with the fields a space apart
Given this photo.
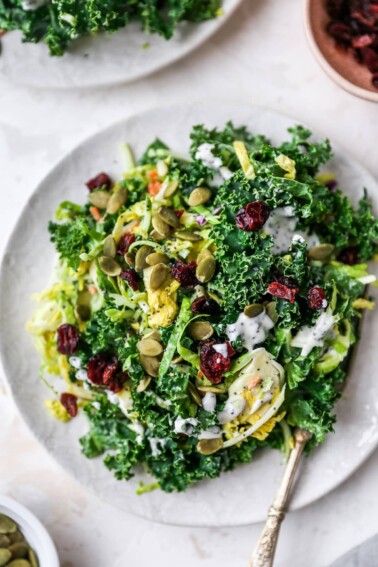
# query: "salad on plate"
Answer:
x=202 y=308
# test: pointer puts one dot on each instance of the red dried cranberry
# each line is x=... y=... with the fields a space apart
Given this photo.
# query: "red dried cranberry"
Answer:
x=331 y=184
x=341 y=32
x=205 y=306
x=253 y=216
x=125 y=242
x=374 y=80
x=69 y=402
x=316 y=298
x=117 y=382
x=68 y=338
x=213 y=363
x=101 y=180
x=349 y=256
x=185 y=273
x=362 y=41
x=370 y=59
x=102 y=368
x=284 y=289
x=131 y=277
x=179 y=213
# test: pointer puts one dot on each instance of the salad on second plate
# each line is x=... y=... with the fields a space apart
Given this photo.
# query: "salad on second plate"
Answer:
x=202 y=309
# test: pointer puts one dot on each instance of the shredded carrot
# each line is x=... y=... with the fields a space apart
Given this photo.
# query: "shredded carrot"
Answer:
x=254 y=381
x=92 y=289
x=154 y=187
x=199 y=374
x=152 y=174
x=95 y=213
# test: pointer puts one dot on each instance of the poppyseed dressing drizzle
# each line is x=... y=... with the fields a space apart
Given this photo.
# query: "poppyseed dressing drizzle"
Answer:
x=281 y=225
x=308 y=338
x=252 y=330
x=31 y=5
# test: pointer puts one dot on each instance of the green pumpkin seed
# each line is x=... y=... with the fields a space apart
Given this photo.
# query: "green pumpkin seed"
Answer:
x=153 y=335
x=253 y=310
x=177 y=360
x=212 y=389
x=150 y=364
x=143 y=384
x=156 y=236
x=209 y=446
x=7 y=526
x=171 y=188
x=109 y=248
x=158 y=276
x=199 y=196
x=156 y=258
x=200 y=330
x=109 y=266
x=149 y=347
x=19 y=550
x=33 y=558
x=20 y=563
x=206 y=269
x=161 y=168
x=5 y=556
x=99 y=199
x=188 y=235
x=16 y=536
x=168 y=216
x=82 y=313
x=205 y=252
x=140 y=257
x=271 y=311
x=130 y=259
x=321 y=251
x=160 y=226
x=193 y=392
x=4 y=540
x=116 y=201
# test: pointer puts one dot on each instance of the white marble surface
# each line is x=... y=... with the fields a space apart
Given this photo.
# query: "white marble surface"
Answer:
x=260 y=57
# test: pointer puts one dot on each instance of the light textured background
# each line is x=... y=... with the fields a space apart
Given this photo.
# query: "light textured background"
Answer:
x=260 y=57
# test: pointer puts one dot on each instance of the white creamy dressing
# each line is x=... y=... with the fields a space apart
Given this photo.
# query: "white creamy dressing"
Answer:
x=209 y=401
x=113 y=398
x=31 y=5
x=205 y=154
x=281 y=224
x=308 y=338
x=185 y=426
x=252 y=330
x=81 y=374
x=221 y=348
x=75 y=362
x=156 y=445
x=261 y=401
x=139 y=430
x=232 y=409
x=214 y=432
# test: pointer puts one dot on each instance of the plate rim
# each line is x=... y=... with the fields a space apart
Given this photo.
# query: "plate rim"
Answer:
x=219 y=104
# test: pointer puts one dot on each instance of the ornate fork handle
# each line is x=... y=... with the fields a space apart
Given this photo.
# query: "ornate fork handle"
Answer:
x=263 y=554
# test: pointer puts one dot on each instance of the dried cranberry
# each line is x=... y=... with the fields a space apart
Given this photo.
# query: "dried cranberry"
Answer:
x=331 y=184
x=374 y=80
x=179 y=213
x=286 y=288
x=370 y=59
x=131 y=277
x=69 y=402
x=213 y=363
x=185 y=273
x=341 y=32
x=362 y=41
x=102 y=368
x=101 y=180
x=316 y=298
x=349 y=256
x=68 y=338
x=253 y=216
x=117 y=382
x=205 y=306
x=125 y=242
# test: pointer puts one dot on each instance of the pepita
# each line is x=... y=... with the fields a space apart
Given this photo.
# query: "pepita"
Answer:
x=19 y=563
x=194 y=394
x=156 y=236
x=117 y=200
x=150 y=364
x=209 y=446
x=149 y=347
x=200 y=330
x=5 y=556
x=140 y=257
x=99 y=199
x=205 y=252
x=19 y=550
x=109 y=266
x=199 y=196
x=4 y=540
x=188 y=235
x=168 y=216
x=7 y=526
x=271 y=311
x=253 y=310
x=177 y=360
x=33 y=558
x=321 y=251
x=171 y=188
x=156 y=258
x=109 y=248
x=16 y=536
x=153 y=335
x=158 y=276
x=129 y=259
x=212 y=389
x=206 y=269
x=160 y=226
x=82 y=313
x=143 y=384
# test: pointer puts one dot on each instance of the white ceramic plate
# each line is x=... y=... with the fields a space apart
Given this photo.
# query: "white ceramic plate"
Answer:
x=238 y=497
x=104 y=59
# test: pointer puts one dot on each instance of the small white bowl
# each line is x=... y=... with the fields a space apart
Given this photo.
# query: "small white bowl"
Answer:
x=35 y=533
